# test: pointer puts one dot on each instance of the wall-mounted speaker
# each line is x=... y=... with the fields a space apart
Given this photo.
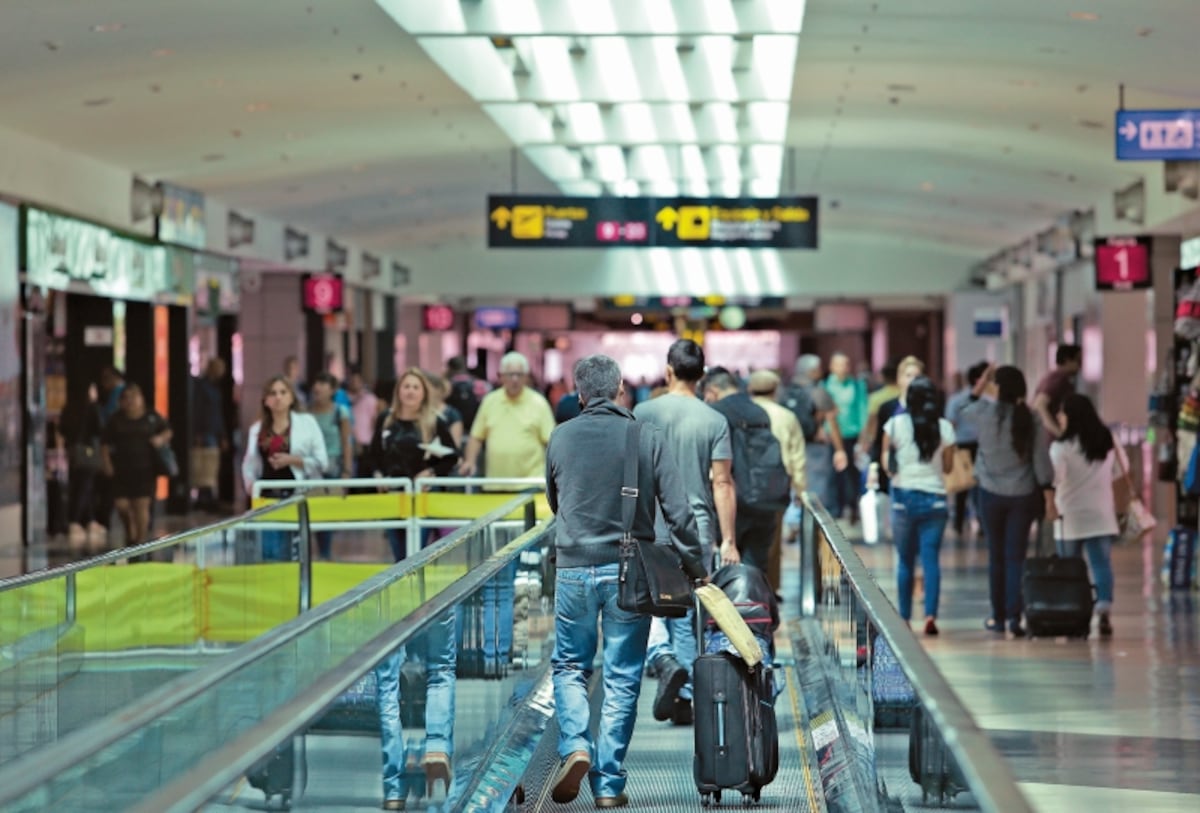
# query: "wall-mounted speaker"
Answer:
x=145 y=200
x=295 y=244
x=239 y=230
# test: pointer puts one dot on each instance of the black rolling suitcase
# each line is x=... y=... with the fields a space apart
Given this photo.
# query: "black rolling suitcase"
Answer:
x=1058 y=597
x=929 y=762
x=737 y=740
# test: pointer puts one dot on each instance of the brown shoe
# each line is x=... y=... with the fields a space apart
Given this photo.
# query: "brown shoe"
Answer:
x=437 y=766
x=605 y=802
x=570 y=776
x=393 y=804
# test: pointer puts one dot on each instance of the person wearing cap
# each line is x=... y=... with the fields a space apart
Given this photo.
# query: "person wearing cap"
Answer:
x=764 y=391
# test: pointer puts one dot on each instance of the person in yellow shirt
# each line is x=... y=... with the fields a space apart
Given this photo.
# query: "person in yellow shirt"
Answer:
x=515 y=422
x=764 y=391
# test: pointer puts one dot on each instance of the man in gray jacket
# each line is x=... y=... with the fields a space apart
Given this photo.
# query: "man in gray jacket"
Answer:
x=585 y=462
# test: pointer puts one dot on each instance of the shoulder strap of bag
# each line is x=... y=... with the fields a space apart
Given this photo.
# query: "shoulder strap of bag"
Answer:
x=629 y=486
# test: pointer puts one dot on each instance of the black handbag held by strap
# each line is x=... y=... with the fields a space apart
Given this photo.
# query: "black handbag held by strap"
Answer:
x=652 y=580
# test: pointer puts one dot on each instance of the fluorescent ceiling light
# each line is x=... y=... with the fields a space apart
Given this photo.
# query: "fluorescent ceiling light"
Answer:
x=665 y=97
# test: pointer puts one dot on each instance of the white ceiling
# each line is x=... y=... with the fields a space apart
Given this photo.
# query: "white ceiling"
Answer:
x=962 y=125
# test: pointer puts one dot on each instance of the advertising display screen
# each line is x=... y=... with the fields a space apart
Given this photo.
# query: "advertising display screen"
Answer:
x=497 y=318
x=1122 y=263
x=322 y=293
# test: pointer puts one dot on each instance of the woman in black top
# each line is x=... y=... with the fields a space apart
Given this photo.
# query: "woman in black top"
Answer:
x=411 y=440
x=131 y=441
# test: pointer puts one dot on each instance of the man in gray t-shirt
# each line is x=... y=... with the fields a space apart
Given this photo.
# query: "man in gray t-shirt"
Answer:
x=698 y=438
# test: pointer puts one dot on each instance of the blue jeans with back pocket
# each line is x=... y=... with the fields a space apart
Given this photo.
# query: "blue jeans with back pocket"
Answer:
x=918 y=520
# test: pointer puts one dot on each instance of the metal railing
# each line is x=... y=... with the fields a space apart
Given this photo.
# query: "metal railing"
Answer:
x=80 y=753
x=988 y=775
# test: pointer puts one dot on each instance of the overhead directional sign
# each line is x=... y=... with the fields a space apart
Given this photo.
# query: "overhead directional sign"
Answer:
x=561 y=222
x=1158 y=135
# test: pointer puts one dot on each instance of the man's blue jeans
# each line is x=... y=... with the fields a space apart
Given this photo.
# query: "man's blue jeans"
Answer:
x=583 y=595
x=918 y=521
x=1099 y=555
x=439 y=647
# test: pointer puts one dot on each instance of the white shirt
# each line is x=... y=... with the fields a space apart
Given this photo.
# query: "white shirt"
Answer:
x=913 y=473
x=1083 y=491
x=304 y=440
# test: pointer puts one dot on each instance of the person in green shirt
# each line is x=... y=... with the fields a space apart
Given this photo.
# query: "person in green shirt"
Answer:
x=849 y=394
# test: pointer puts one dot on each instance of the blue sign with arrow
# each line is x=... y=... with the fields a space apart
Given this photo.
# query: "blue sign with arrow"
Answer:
x=1158 y=135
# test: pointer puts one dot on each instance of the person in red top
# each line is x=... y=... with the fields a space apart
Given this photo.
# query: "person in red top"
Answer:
x=1056 y=385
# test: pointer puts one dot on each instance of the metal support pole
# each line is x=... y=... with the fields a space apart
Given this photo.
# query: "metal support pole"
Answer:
x=305 y=556
x=530 y=515
x=70 y=598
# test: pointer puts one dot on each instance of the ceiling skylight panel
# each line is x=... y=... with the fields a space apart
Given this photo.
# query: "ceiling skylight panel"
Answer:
x=763 y=187
x=767 y=121
x=716 y=123
x=475 y=65
x=691 y=165
x=584 y=123
x=586 y=17
x=635 y=123
x=552 y=74
x=613 y=65
x=764 y=160
x=725 y=163
x=524 y=123
x=679 y=123
x=426 y=18
x=747 y=271
x=609 y=162
x=711 y=15
x=775 y=66
x=722 y=271
x=668 y=70
x=716 y=55
x=650 y=163
x=772 y=16
x=660 y=16
x=557 y=163
x=582 y=189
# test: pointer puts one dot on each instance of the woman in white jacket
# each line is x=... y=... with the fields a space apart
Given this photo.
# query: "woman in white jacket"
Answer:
x=1086 y=461
x=285 y=444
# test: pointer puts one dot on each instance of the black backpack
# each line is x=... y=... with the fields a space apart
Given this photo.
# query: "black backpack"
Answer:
x=759 y=475
x=799 y=400
x=463 y=398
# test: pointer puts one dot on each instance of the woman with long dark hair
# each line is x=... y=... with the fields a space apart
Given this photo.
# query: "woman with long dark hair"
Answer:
x=411 y=440
x=1086 y=461
x=1012 y=466
x=923 y=445
x=130 y=442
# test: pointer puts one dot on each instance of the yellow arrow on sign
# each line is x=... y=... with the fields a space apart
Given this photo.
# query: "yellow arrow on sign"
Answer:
x=501 y=217
x=667 y=217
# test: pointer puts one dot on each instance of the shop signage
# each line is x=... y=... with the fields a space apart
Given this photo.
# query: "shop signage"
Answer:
x=989 y=322
x=497 y=318
x=1158 y=135
x=182 y=218
x=1122 y=263
x=321 y=293
x=438 y=317
x=653 y=303
x=568 y=222
x=61 y=250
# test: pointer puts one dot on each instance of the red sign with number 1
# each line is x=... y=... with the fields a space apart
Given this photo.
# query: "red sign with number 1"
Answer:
x=1122 y=264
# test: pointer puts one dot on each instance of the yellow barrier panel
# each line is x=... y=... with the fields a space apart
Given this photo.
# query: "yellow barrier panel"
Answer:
x=139 y=605
x=443 y=505
x=332 y=579
x=339 y=508
x=247 y=600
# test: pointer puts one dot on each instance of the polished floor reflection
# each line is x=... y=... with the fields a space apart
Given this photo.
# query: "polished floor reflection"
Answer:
x=1107 y=723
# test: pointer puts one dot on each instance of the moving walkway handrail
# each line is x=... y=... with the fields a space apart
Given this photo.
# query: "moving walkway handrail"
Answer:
x=24 y=775
x=119 y=554
x=220 y=768
x=988 y=776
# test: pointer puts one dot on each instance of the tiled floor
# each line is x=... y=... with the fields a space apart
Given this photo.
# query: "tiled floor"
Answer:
x=1097 y=724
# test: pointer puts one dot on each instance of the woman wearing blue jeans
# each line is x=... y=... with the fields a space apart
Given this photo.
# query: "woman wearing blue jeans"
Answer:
x=923 y=444
x=1086 y=461
x=1012 y=466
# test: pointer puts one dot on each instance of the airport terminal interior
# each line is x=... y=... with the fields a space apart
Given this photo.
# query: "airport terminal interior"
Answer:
x=322 y=324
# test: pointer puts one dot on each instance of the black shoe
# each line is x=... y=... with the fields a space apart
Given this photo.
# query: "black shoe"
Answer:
x=1015 y=629
x=671 y=677
x=778 y=598
x=1106 y=629
x=682 y=714
x=992 y=625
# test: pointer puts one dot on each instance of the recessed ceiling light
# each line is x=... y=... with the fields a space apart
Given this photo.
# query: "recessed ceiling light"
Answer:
x=1085 y=16
x=97 y=102
x=927 y=186
x=107 y=28
x=257 y=107
x=1145 y=32
x=212 y=157
x=1090 y=124
x=161 y=52
x=902 y=88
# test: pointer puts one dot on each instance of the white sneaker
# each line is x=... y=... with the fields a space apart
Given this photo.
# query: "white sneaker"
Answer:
x=96 y=533
x=76 y=535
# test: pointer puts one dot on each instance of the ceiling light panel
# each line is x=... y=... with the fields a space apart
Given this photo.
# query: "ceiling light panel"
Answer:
x=582 y=17
x=624 y=97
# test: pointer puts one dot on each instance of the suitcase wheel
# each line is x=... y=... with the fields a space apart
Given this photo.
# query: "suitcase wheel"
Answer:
x=749 y=799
